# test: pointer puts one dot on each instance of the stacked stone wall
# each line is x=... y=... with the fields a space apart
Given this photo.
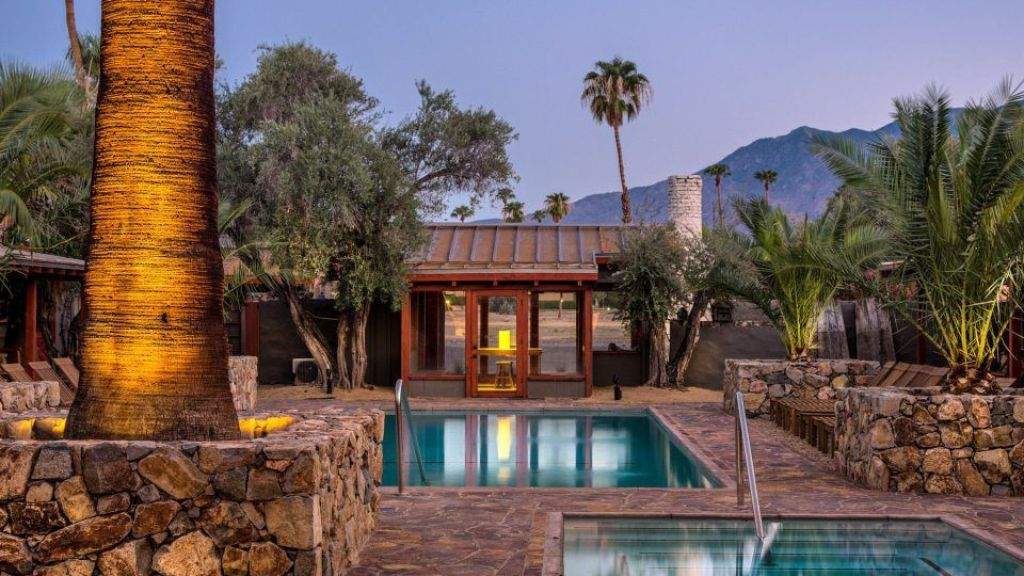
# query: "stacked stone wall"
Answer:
x=301 y=501
x=762 y=380
x=923 y=440
x=17 y=397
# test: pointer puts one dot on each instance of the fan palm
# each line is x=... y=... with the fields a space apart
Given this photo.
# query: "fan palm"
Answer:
x=463 y=212
x=538 y=216
x=513 y=212
x=954 y=203
x=557 y=205
x=615 y=92
x=793 y=280
x=719 y=171
x=766 y=178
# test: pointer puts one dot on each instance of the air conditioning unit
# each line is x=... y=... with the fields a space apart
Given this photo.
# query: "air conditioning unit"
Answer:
x=304 y=371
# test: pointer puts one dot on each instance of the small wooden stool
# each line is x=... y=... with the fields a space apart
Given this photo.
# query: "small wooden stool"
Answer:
x=503 y=376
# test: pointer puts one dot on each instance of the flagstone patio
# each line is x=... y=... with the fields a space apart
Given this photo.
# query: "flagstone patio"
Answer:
x=501 y=532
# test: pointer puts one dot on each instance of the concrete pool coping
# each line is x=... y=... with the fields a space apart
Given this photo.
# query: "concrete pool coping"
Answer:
x=552 y=563
x=678 y=437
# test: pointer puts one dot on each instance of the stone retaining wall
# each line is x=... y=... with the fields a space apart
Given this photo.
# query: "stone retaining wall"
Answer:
x=242 y=372
x=301 y=501
x=922 y=440
x=16 y=397
x=760 y=380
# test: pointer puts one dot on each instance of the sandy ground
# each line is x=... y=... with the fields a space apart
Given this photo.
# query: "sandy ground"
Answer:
x=630 y=395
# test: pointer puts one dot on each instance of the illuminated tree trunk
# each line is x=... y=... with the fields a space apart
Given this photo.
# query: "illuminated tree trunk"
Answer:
x=154 y=355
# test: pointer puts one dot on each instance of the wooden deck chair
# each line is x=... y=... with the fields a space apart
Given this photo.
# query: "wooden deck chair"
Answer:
x=894 y=374
x=16 y=372
x=68 y=370
x=928 y=376
x=882 y=373
x=44 y=371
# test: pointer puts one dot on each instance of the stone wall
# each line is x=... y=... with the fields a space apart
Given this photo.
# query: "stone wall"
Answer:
x=922 y=440
x=242 y=372
x=19 y=397
x=760 y=380
x=300 y=501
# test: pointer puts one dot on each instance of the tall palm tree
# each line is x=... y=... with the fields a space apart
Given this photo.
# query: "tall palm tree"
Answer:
x=513 y=212
x=615 y=92
x=951 y=194
x=154 y=351
x=719 y=171
x=463 y=212
x=767 y=178
x=557 y=205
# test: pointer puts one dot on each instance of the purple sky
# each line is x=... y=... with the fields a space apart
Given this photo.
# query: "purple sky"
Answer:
x=723 y=73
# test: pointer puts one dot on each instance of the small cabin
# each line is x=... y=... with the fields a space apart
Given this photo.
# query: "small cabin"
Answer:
x=514 y=310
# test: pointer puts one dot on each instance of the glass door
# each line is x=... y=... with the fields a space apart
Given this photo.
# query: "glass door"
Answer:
x=499 y=348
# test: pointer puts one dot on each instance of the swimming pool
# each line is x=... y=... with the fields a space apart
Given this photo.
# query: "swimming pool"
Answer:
x=545 y=449
x=674 y=546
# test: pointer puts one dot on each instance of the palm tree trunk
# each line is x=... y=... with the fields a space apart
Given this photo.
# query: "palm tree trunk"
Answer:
x=627 y=212
x=359 y=359
x=718 y=201
x=766 y=200
x=341 y=353
x=154 y=360
x=76 y=47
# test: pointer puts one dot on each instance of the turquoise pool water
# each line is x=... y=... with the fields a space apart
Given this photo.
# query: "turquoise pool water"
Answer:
x=544 y=449
x=675 y=547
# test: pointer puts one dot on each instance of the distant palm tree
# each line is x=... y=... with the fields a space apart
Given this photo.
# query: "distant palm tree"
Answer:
x=513 y=212
x=505 y=195
x=538 y=216
x=767 y=178
x=463 y=212
x=557 y=205
x=614 y=92
x=719 y=171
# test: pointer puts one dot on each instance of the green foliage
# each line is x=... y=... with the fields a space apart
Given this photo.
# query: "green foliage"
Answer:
x=953 y=205
x=513 y=212
x=766 y=178
x=557 y=206
x=538 y=216
x=37 y=123
x=648 y=276
x=792 y=277
x=462 y=212
x=615 y=91
x=446 y=149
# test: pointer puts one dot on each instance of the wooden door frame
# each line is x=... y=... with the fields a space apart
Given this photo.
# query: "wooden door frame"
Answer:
x=522 y=340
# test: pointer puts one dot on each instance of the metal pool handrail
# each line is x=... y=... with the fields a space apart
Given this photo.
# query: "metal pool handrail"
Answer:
x=403 y=422
x=744 y=456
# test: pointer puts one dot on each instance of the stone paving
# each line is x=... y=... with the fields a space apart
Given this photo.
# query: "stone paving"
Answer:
x=501 y=532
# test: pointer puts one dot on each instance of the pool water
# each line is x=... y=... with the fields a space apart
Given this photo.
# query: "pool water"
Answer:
x=668 y=547
x=544 y=449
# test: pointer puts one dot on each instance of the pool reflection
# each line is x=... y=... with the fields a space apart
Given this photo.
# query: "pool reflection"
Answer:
x=560 y=450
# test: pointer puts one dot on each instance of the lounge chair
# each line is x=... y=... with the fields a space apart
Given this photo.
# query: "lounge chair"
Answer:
x=44 y=371
x=16 y=373
x=67 y=369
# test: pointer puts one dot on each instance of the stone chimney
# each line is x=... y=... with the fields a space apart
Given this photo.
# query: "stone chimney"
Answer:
x=684 y=203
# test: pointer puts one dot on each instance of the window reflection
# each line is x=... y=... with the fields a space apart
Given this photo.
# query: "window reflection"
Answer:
x=438 y=331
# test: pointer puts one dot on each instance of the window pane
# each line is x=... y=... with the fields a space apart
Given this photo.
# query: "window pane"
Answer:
x=438 y=332
x=609 y=334
x=556 y=333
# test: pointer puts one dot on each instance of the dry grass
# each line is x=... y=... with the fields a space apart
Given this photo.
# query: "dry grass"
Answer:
x=630 y=395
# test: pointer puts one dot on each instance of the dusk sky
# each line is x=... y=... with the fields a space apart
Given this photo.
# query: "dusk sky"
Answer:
x=723 y=73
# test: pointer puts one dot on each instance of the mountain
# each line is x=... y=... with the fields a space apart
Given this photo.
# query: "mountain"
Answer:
x=804 y=184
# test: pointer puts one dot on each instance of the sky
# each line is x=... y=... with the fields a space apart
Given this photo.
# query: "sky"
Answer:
x=723 y=73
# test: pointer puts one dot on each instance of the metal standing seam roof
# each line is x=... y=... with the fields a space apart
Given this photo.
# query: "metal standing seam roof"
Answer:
x=525 y=248
x=42 y=262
